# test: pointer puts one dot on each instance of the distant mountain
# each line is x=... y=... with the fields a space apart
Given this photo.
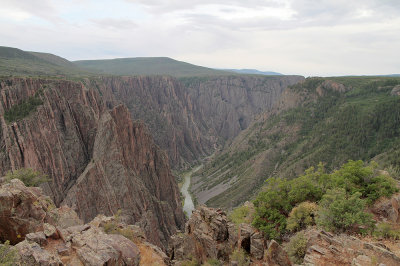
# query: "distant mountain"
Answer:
x=148 y=66
x=17 y=62
x=254 y=72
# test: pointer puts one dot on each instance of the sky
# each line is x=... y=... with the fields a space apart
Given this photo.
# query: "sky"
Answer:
x=307 y=37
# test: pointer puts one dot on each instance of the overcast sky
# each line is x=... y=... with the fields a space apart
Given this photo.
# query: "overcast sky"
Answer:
x=308 y=37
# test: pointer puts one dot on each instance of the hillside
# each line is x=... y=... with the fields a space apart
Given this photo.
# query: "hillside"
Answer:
x=329 y=120
x=148 y=66
x=254 y=72
x=16 y=62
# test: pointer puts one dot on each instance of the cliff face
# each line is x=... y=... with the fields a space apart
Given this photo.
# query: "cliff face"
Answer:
x=99 y=161
x=190 y=117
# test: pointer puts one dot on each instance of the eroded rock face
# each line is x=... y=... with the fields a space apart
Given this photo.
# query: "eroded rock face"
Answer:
x=276 y=256
x=99 y=161
x=189 y=117
x=208 y=234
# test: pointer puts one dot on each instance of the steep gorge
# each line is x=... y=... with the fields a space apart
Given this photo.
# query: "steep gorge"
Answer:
x=191 y=117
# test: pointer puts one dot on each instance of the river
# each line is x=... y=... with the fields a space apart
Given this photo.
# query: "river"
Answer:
x=188 y=205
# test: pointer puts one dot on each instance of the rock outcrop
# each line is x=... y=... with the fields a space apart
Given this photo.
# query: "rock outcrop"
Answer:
x=208 y=234
x=324 y=248
x=25 y=210
x=46 y=235
x=99 y=161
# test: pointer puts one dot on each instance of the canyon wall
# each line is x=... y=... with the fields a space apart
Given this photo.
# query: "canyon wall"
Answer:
x=98 y=159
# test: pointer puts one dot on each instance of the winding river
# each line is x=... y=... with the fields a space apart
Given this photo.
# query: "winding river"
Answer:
x=188 y=205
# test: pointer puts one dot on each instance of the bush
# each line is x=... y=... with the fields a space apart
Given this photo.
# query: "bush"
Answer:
x=296 y=248
x=29 y=177
x=240 y=215
x=302 y=216
x=339 y=211
x=359 y=184
x=213 y=262
x=8 y=256
x=386 y=230
x=240 y=257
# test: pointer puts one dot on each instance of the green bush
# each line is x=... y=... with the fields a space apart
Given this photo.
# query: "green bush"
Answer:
x=240 y=257
x=302 y=216
x=28 y=176
x=8 y=256
x=213 y=262
x=240 y=215
x=296 y=248
x=358 y=183
x=339 y=211
x=386 y=230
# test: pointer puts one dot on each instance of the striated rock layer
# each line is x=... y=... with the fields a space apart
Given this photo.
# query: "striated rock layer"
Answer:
x=99 y=161
x=190 y=117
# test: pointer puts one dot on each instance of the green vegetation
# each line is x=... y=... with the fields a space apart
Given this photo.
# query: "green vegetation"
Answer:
x=341 y=195
x=240 y=257
x=342 y=211
x=242 y=214
x=296 y=248
x=15 y=62
x=301 y=216
x=148 y=66
x=213 y=262
x=28 y=176
x=386 y=230
x=356 y=118
x=23 y=109
x=8 y=255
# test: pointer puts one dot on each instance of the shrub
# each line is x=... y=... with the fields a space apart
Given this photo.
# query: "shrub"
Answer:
x=296 y=248
x=29 y=177
x=8 y=255
x=240 y=215
x=339 y=211
x=240 y=257
x=386 y=230
x=302 y=216
x=213 y=262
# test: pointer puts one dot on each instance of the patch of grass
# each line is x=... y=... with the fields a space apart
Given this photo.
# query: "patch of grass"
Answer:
x=296 y=248
x=8 y=255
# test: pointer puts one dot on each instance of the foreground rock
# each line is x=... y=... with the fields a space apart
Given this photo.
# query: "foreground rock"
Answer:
x=46 y=235
x=208 y=234
x=328 y=249
x=25 y=210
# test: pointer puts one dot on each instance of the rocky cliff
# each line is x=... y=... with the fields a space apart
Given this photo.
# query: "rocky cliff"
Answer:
x=190 y=117
x=99 y=161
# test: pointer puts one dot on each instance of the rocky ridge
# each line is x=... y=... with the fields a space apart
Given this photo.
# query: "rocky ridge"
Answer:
x=99 y=161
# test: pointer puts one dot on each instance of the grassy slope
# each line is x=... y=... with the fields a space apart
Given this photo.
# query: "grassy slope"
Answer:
x=148 y=66
x=20 y=63
x=361 y=123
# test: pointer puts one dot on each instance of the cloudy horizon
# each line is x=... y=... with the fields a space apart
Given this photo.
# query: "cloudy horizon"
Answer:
x=307 y=37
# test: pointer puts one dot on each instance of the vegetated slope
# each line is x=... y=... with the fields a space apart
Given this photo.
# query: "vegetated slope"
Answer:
x=328 y=120
x=254 y=72
x=16 y=62
x=190 y=117
x=148 y=66
x=98 y=159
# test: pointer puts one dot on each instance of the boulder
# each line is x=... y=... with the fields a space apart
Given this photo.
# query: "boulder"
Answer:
x=275 y=255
